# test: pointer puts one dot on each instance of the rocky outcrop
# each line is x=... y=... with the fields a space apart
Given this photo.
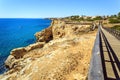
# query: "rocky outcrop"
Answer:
x=20 y=52
x=59 y=29
x=62 y=52
x=45 y=35
x=34 y=46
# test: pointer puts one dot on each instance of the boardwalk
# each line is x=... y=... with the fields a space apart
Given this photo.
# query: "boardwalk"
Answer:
x=105 y=61
x=110 y=56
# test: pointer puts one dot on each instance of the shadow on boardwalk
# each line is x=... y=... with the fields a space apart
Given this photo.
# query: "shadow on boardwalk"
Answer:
x=113 y=61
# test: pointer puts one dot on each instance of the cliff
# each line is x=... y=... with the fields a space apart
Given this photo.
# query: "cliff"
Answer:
x=61 y=52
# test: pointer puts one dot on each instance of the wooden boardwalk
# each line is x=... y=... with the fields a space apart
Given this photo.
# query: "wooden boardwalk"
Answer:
x=105 y=60
x=110 y=56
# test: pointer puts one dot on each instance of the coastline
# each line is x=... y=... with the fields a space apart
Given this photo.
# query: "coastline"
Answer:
x=18 y=32
x=51 y=45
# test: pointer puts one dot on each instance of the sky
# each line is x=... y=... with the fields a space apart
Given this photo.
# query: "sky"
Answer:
x=57 y=8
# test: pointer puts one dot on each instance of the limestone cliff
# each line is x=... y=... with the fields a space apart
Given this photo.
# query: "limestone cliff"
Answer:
x=62 y=52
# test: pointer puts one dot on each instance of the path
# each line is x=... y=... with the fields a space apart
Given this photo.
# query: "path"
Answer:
x=110 y=56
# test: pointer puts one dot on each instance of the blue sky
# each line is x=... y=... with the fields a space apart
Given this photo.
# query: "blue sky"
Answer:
x=57 y=8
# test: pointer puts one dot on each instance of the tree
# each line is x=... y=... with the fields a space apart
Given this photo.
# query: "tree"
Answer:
x=119 y=14
x=81 y=18
x=113 y=16
x=98 y=18
x=89 y=19
x=75 y=18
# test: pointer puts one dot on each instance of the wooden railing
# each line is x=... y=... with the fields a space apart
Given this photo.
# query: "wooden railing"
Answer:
x=114 y=32
x=113 y=58
x=96 y=70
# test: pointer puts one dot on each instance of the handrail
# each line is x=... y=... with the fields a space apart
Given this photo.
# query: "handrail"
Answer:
x=95 y=70
x=114 y=32
x=113 y=58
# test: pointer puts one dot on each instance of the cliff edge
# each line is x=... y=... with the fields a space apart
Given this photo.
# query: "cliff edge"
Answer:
x=61 y=52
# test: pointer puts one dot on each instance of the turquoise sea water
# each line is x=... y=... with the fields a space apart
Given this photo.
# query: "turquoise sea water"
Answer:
x=16 y=33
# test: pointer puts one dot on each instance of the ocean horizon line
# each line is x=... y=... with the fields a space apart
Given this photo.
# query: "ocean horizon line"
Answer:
x=23 y=18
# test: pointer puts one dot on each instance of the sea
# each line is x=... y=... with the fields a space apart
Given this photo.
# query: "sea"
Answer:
x=18 y=32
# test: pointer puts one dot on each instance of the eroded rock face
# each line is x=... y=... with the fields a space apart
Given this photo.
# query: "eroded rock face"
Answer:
x=64 y=56
x=45 y=35
x=10 y=61
x=20 y=52
x=59 y=29
x=34 y=46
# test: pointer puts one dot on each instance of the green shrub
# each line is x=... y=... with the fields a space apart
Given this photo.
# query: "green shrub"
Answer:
x=117 y=27
x=98 y=18
x=111 y=20
x=119 y=14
